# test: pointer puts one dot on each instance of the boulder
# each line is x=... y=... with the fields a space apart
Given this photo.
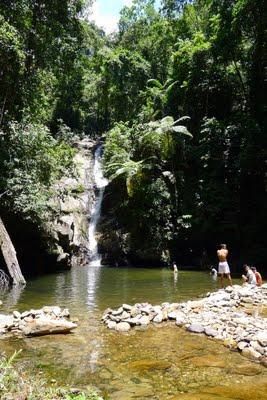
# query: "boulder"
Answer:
x=46 y=326
x=123 y=327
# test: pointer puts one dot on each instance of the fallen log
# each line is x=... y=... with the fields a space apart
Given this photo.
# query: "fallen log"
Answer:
x=10 y=256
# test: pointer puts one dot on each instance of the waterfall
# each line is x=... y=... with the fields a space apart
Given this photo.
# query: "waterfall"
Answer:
x=101 y=183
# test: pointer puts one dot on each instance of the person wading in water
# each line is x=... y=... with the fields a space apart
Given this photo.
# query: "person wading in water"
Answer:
x=223 y=270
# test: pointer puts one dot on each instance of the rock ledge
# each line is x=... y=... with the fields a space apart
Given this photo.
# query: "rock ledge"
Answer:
x=45 y=321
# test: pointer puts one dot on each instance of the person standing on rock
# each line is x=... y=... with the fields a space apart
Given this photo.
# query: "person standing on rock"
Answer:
x=223 y=270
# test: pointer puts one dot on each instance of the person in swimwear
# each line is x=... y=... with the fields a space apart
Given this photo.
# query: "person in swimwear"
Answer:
x=257 y=275
x=223 y=270
x=250 y=277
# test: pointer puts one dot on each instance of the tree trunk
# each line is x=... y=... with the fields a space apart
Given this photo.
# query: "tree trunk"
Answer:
x=9 y=254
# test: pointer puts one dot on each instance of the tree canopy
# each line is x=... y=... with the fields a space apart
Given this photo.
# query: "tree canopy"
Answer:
x=177 y=187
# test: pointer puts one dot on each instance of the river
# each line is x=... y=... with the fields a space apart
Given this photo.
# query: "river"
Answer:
x=162 y=362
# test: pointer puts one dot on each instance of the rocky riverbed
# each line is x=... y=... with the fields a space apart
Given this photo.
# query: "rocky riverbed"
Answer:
x=45 y=321
x=231 y=315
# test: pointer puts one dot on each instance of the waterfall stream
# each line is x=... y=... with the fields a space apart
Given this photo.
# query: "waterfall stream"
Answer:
x=101 y=183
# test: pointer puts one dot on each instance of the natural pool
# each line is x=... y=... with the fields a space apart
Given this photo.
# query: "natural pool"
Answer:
x=162 y=362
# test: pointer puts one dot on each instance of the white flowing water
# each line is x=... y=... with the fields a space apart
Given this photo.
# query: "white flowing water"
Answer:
x=101 y=183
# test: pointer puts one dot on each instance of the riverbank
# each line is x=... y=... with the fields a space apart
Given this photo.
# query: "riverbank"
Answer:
x=233 y=316
x=16 y=383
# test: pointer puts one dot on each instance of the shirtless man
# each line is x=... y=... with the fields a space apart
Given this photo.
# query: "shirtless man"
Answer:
x=223 y=270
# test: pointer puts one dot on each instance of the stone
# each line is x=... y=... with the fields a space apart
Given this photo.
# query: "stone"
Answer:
x=247 y=370
x=219 y=296
x=157 y=309
x=242 y=345
x=211 y=332
x=28 y=319
x=149 y=365
x=16 y=314
x=133 y=321
x=52 y=310
x=251 y=353
x=111 y=325
x=65 y=313
x=146 y=310
x=127 y=307
x=208 y=361
x=230 y=343
x=134 y=311
x=180 y=320
x=196 y=304
x=144 y=320
x=248 y=300
x=117 y=312
x=196 y=328
x=261 y=337
x=172 y=315
x=5 y=321
x=125 y=315
x=47 y=326
x=158 y=318
x=123 y=327
x=256 y=346
x=107 y=311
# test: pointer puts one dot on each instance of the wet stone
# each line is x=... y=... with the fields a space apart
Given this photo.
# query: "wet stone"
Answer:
x=196 y=328
x=123 y=327
x=211 y=332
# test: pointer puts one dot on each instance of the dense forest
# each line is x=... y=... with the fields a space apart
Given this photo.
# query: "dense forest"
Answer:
x=176 y=95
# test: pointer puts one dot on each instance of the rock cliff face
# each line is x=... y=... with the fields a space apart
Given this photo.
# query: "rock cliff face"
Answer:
x=68 y=233
x=61 y=240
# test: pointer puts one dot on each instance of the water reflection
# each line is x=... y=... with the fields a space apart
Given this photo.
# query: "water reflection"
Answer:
x=12 y=296
x=93 y=276
x=175 y=278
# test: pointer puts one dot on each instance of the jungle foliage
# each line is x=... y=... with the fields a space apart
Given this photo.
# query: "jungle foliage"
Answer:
x=178 y=94
x=205 y=60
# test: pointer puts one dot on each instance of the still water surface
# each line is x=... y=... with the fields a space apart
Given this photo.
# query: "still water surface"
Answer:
x=162 y=362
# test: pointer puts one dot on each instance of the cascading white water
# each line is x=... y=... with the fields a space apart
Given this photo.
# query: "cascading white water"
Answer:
x=101 y=183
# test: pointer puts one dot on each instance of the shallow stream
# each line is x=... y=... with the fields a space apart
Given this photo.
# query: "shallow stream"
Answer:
x=162 y=363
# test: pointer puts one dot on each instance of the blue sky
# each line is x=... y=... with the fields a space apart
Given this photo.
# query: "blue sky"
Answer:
x=106 y=13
